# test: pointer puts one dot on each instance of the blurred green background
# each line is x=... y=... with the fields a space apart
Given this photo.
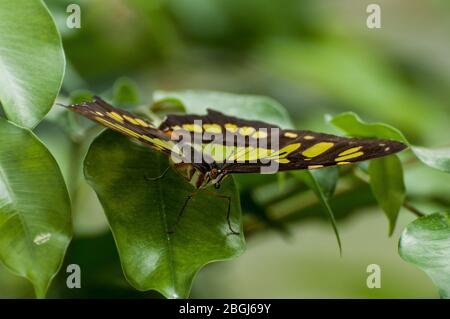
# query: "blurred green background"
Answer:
x=315 y=57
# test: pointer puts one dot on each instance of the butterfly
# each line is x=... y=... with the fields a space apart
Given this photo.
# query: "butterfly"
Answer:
x=204 y=149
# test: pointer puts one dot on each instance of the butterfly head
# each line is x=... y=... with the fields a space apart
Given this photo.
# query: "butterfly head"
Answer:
x=215 y=176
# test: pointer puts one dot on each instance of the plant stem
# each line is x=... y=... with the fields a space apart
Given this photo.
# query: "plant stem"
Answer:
x=413 y=210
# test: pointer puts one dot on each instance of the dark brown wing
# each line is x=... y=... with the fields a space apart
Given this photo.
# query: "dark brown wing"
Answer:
x=311 y=150
x=262 y=143
x=130 y=125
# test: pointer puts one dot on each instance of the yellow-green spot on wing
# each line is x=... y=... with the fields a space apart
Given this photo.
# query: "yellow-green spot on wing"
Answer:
x=260 y=134
x=257 y=153
x=115 y=116
x=248 y=153
x=167 y=145
x=318 y=149
x=193 y=128
x=141 y=122
x=118 y=127
x=212 y=128
x=247 y=130
x=232 y=128
x=218 y=152
x=290 y=135
x=350 y=151
x=130 y=120
x=350 y=156
x=281 y=155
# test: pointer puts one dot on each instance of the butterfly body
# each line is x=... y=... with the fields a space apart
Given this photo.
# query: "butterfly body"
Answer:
x=204 y=149
x=198 y=178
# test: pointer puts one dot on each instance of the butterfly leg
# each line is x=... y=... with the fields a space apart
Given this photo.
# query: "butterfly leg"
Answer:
x=228 y=199
x=157 y=177
x=183 y=208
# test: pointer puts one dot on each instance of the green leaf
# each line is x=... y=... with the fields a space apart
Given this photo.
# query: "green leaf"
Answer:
x=31 y=61
x=143 y=213
x=35 y=221
x=125 y=93
x=426 y=243
x=435 y=158
x=244 y=106
x=327 y=180
x=386 y=181
x=351 y=124
x=323 y=182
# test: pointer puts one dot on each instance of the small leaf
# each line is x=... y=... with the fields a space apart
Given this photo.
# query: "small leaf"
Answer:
x=435 y=158
x=386 y=181
x=327 y=179
x=142 y=215
x=31 y=61
x=426 y=243
x=322 y=182
x=351 y=124
x=35 y=221
x=125 y=93
x=244 y=106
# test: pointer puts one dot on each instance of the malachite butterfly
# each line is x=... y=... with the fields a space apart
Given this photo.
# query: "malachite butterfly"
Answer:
x=204 y=149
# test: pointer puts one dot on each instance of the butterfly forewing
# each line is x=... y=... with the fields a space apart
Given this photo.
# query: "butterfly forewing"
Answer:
x=130 y=125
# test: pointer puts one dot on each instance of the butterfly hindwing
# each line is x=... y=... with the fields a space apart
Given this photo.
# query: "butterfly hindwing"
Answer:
x=263 y=142
x=310 y=150
x=319 y=150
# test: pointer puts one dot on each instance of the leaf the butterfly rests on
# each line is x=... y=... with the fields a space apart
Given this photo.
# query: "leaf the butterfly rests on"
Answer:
x=232 y=145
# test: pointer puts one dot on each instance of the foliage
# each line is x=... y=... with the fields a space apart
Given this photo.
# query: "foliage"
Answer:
x=31 y=59
x=425 y=243
x=35 y=221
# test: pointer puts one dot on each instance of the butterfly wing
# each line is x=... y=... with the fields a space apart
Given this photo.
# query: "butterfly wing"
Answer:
x=261 y=143
x=128 y=124
x=311 y=150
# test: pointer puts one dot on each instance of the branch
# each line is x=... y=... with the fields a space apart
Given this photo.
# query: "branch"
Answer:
x=413 y=210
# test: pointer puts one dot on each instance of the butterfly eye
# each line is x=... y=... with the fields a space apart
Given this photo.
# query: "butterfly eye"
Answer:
x=213 y=173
